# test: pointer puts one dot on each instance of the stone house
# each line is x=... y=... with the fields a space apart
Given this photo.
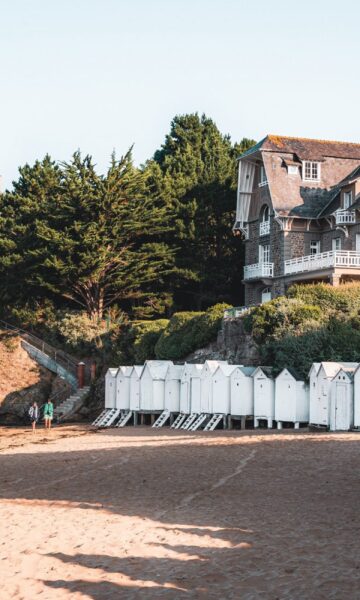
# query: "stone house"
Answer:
x=298 y=209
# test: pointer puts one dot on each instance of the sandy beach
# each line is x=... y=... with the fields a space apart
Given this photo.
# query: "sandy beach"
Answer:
x=143 y=514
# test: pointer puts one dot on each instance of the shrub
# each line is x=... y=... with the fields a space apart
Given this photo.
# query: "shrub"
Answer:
x=279 y=317
x=146 y=335
x=188 y=331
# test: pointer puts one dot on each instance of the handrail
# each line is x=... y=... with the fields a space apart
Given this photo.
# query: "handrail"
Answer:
x=58 y=355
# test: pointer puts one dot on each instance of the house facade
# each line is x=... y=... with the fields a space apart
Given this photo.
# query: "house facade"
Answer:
x=298 y=209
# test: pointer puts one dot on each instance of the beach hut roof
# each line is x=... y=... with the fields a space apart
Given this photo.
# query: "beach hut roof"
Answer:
x=315 y=367
x=125 y=370
x=268 y=371
x=331 y=368
x=214 y=364
x=225 y=369
x=292 y=372
x=137 y=369
x=346 y=371
x=157 y=369
x=112 y=372
x=175 y=371
x=248 y=371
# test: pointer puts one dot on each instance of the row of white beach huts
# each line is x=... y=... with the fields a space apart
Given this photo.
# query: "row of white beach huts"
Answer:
x=213 y=394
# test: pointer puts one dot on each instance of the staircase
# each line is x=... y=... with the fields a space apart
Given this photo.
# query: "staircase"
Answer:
x=64 y=410
x=178 y=421
x=162 y=419
x=100 y=417
x=213 y=423
x=198 y=422
x=190 y=420
x=124 y=419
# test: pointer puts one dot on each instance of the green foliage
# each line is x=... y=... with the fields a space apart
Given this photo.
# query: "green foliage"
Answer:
x=312 y=323
x=188 y=331
x=146 y=335
x=282 y=316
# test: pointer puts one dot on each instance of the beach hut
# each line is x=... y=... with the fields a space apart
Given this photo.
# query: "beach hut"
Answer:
x=357 y=397
x=242 y=392
x=320 y=398
x=135 y=387
x=291 y=399
x=152 y=385
x=172 y=388
x=341 y=417
x=123 y=388
x=209 y=368
x=110 y=388
x=190 y=372
x=313 y=392
x=264 y=395
x=221 y=389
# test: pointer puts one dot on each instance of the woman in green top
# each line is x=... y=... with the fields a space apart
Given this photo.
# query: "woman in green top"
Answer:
x=48 y=414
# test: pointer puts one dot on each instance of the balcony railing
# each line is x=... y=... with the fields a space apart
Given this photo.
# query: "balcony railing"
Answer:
x=259 y=270
x=264 y=227
x=323 y=260
x=345 y=217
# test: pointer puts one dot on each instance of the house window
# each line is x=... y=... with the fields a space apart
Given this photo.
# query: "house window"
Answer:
x=311 y=170
x=293 y=170
x=265 y=221
x=357 y=242
x=266 y=295
x=264 y=253
x=263 y=179
x=336 y=244
x=315 y=247
x=347 y=200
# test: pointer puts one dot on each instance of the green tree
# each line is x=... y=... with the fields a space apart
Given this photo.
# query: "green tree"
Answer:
x=96 y=240
x=195 y=172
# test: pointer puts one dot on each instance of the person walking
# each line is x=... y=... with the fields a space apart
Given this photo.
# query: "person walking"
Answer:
x=34 y=415
x=48 y=413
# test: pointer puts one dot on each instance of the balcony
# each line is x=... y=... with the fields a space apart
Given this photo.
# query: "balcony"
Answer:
x=324 y=260
x=344 y=217
x=259 y=271
x=264 y=228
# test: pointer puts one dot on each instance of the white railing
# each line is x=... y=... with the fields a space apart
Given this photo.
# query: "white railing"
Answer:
x=259 y=270
x=263 y=183
x=344 y=217
x=264 y=227
x=323 y=260
x=235 y=311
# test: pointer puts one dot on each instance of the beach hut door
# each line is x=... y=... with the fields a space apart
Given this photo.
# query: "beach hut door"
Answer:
x=341 y=421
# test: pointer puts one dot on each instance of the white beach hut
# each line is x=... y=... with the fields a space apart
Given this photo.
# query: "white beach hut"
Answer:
x=221 y=389
x=242 y=392
x=357 y=397
x=207 y=372
x=172 y=388
x=123 y=388
x=264 y=395
x=291 y=399
x=313 y=392
x=320 y=399
x=135 y=387
x=152 y=385
x=341 y=416
x=190 y=372
x=110 y=388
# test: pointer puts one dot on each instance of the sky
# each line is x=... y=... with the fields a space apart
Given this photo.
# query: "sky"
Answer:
x=101 y=75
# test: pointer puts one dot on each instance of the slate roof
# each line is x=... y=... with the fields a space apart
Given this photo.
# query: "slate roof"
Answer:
x=305 y=148
x=293 y=196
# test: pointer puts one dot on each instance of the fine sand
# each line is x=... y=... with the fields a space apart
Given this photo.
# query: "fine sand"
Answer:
x=142 y=514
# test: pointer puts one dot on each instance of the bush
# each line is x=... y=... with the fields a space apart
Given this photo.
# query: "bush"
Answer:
x=189 y=331
x=281 y=316
x=146 y=335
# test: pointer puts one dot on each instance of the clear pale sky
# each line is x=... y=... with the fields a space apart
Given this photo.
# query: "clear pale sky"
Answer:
x=103 y=74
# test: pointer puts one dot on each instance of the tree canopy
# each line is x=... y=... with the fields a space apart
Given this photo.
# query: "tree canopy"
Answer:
x=143 y=239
